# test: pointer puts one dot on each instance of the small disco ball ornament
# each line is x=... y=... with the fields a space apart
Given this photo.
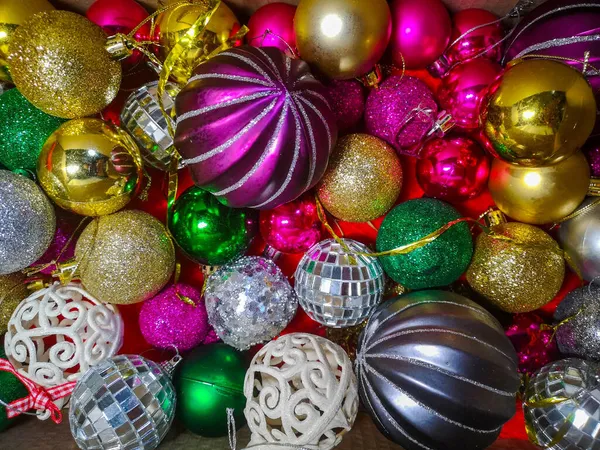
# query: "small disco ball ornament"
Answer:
x=339 y=287
x=125 y=402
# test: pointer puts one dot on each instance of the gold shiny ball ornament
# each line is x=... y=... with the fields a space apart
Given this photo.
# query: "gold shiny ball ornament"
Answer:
x=342 y=39
x=90 y=167
x=539 y=112
x=540 y=195
x=125 y=258
x=59 y=62
x=12 y=290
x=521 y=271
x=363 y=179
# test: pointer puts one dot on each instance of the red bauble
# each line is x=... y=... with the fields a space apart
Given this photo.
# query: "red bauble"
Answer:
x=272 y=25
x=477 y=41
x=453 y=168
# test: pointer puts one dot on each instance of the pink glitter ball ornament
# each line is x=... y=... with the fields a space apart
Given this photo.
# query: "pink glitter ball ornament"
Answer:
x=169 y=319
x=401 y=112
x=347 y=101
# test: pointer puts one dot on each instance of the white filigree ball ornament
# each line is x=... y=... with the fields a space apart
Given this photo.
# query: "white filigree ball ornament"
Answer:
x=301 y=392
x=57 y=333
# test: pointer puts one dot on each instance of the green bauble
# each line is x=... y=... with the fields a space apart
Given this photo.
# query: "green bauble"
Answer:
x=209 y=381
x=208 y=231
x=438 y=263
x=23 y=131
x=11 y=389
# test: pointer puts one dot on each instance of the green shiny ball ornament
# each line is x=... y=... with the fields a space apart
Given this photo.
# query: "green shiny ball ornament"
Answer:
x=11 y=389
x=209 y=381
x=437 y=263
x=209 y=232
x=23 y=132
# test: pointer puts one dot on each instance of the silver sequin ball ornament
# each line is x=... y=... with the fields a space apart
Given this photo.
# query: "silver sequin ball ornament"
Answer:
x=336 y=288
x=126 y=401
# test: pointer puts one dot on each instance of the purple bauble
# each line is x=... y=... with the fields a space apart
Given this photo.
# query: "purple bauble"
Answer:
x=401 y=111
x=347 y=101
x=62 y=247
x=255 y=127
x=169 y=319
x=591 y=149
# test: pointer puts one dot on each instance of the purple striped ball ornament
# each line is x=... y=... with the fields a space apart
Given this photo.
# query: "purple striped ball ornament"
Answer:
x=254 y=127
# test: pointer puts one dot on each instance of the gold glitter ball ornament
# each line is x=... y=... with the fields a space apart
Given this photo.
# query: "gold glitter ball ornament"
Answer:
x=520 y=275
x=363 y=179
x=125 y=258
x=90 y=167
x=59 y=63
x=12 y=290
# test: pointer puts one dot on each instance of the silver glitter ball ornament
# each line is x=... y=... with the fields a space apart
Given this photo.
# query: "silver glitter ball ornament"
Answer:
x=27 y=222
x=142 y=118
x=562 y=405
x=336 y=288
x=126 y=401
x=249 y=301
x=580 y=238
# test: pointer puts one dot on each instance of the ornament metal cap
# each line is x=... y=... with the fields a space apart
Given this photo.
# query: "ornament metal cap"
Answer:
x=493 y=217
x=594 y=189
x=373 y=77
x=118 y=47
x=440 y=67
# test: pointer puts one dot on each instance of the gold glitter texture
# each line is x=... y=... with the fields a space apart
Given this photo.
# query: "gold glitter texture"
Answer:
x=125 y=257
x=517 y=276
x=58 y=62
x=363 y=179
x=90 y=167
x=12 y=290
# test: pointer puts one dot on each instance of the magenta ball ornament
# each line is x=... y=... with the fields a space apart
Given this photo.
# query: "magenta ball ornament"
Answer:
x=347 y=99
x=255 y=127
x=272 y=25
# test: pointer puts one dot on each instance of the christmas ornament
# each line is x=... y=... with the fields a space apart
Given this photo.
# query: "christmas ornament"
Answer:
x=401 y=112
x=272 y=25
x=347 y=101
x=142 y=118
x=292 y=228
x=24 y=131
x=592 y=153
x=249 y=301
x=58 y=332
x=539 y=112
x=59 y=63
x=540 y=195
x=255 y=127
x=62 y=247
x=13 y=289
x=561 y=405
x=578 y=315
x=436 y=371
x=421 y=32
x=347 y=338
x=300 y=392
x=579 y=237
x=27 y=222
x=210 y=381
x=453 y=168
x=437 y=263
x=11 y=389
x=520 y=270
x=335 y=286
x=90 y=167
x=342 y=39
x=125 y=257
x=363 y=179
x=209 y=232
x=464 y=88
x=126 y=401
x=176 y=317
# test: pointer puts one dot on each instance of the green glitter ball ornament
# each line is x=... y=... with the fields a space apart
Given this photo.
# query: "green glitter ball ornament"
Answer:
x=209 y=232
x=11 y=389
x=23 y=131
x=438 y=263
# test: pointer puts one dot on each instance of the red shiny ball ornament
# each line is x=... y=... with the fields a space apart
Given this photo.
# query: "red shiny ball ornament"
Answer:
x=477 y=41
x=453 y=168
x=272 y=25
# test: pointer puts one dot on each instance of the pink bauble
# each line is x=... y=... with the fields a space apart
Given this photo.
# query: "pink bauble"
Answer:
x=272 y=25
x=462 y=90
x=421 y=32
x=292 y=228
x=401 y=112
x=168 y=319
x=61 y=249
x=592 y=153
x=347 y=100
x=453 y=168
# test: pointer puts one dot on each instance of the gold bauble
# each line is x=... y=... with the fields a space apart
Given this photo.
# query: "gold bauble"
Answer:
x=125 y=257
x=520 y=274
x=90 y=167
x=12 y=14
x=59 y=62
x=540 y=112
x=174 y=23
x=12 y=290
x=540 y=195
x=342 y=38
x=363 y=179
